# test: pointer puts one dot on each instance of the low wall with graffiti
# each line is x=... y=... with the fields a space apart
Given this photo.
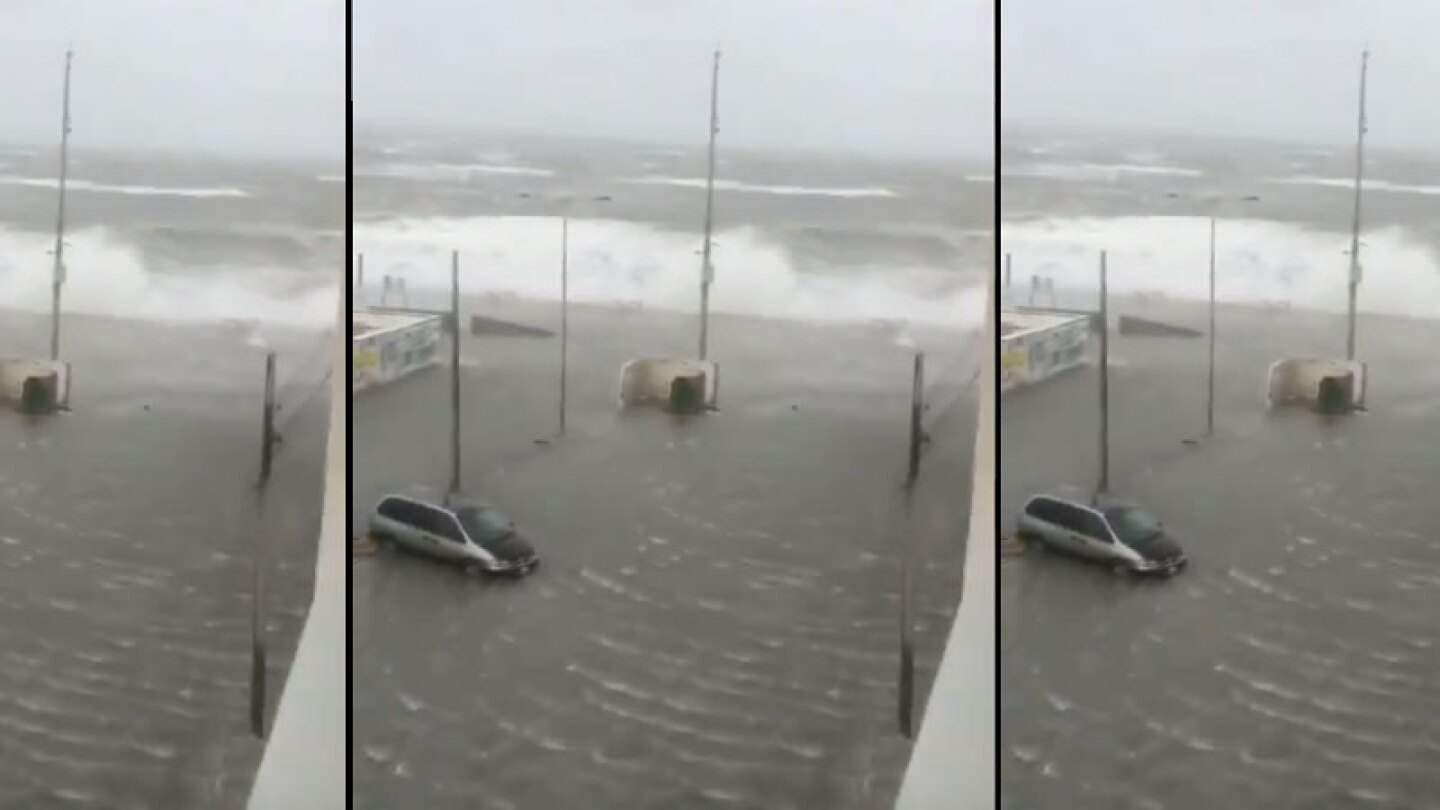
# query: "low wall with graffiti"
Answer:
x=386 y=347
x=1034 y=347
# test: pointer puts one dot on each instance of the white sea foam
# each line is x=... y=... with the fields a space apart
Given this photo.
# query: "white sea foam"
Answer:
x=614 y=262
x=760 y=188
x=1258 y=261
x=108 y=276
x=448 y=172
x=1102 y=172
x=113 y=188
x=1348 y=184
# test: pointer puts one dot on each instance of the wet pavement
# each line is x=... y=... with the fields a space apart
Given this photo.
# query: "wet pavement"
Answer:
x=1293 y=665
x=126 y=540
x=714 y=623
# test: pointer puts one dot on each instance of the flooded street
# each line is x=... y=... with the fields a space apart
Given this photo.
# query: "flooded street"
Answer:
x=126 y=541
x=1293 y=664
x=714 y=623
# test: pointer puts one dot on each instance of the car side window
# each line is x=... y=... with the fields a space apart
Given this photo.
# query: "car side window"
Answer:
x=410 y=513
x=1092 y=525
x=433 y=521
x=393 y=509
x=444 y=526
x=1065 y=516
x=1043 y=509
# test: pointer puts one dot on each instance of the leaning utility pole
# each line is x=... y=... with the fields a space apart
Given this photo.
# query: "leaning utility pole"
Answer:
x=58 y=275
x=1355 y=225
x=258 y=657
x=707 y=272
x=908 y=561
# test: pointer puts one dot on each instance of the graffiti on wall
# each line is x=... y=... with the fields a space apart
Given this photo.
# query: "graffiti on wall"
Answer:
x=411 y=349
x=364 y=365
x=390 y=355
x=1034 y=356
x=1014 y=364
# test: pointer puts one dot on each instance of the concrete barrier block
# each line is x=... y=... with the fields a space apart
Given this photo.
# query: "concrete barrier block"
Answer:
x=36 y=385
x=651 y=381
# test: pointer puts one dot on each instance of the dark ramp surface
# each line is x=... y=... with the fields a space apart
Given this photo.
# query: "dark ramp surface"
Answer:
x=125 y=556
x=715 y=620
x=1293 y=665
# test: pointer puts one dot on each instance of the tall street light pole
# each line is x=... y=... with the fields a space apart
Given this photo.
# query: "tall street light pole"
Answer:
x=707 y=271
x=1210 y=378
x=1103 y=485
x=1214 y=202
x=564 y=314
x=1355 y=224
x=565 y=202
x=58 y=275
x=455 y=374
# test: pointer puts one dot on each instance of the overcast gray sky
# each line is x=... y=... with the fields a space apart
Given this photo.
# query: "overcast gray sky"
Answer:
x=237 y=76
x=1285 y=69
x=899 y=76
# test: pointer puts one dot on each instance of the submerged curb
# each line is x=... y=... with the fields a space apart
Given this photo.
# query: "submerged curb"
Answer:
x=363 y=545
x=1011 y=545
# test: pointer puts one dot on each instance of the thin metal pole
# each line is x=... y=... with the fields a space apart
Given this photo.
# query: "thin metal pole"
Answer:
x=455 y=373
x=1355 y=226
x=564 y=313
x=1007 y=271
x=360 y=278
x=58 y=276
x=1210 y=385
x=707 y=272
x=906 y=706
x=258 y=669
x=1104 y=483
x=917 y=413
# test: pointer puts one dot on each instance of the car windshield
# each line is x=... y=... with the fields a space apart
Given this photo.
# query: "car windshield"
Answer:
x=485 y=525
x=1132 y=525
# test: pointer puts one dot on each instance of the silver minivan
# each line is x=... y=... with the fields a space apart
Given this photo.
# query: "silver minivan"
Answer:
x=474 y=535
x=1118 y=534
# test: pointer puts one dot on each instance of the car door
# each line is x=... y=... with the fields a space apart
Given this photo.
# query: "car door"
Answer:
x=1094 y=535
x=391 y=518
x=1043 y=517
x=449 y=538
x=423 y=537
x=1071 y=520
x=410 y=520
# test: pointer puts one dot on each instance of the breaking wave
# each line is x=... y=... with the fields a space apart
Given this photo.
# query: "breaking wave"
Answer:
x=1258 y=261
x=107 y=275
x=630 y=263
